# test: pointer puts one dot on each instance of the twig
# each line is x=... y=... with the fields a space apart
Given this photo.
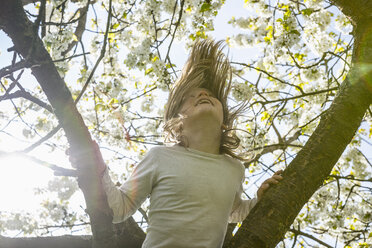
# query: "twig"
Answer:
x=12 y=68
x=297 y=232
x=101 y=55
x=43 y=139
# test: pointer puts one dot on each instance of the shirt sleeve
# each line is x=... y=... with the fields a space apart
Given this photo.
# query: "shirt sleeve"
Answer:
x=125 y=201
x=241 y=208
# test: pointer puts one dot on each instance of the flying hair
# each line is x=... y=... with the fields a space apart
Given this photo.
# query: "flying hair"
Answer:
x=207 y=67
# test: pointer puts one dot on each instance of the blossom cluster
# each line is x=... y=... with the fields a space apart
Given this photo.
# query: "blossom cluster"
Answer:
x=242 y=92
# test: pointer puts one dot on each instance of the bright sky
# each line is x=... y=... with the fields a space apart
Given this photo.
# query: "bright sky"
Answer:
x=17 y=182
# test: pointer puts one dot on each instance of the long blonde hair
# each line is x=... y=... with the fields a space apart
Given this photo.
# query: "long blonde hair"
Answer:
x=207 y=67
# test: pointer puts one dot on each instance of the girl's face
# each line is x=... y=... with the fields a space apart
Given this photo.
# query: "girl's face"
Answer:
x=201 y=103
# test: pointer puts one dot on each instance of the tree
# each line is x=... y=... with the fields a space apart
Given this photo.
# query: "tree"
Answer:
x=312 y=91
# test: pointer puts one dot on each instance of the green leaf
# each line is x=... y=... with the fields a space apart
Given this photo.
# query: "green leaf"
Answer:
x=295 y=32
x=174 y=65
x=149 y=71
x=307 y=12
x=99 y=107
x=205 y=7
x=113 y=101
x=74 y=37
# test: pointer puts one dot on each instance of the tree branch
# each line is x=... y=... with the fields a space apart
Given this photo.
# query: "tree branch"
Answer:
x=28 y=96
x=47 y=242
x=298 y=232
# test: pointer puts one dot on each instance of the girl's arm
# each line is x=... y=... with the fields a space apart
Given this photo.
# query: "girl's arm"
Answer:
x=242 y=208
x=125 y=201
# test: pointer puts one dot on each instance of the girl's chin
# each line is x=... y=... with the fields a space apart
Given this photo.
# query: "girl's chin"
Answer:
x=206 y=113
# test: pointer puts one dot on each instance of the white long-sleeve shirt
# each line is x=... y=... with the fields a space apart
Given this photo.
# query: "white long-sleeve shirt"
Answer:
x=193 y=195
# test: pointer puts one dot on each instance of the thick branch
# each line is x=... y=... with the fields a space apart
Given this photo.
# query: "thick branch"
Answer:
x=47 y=242
x=28 y=96
x=356 y=9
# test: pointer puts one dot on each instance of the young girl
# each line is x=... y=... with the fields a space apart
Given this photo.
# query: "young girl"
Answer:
x=195 y=186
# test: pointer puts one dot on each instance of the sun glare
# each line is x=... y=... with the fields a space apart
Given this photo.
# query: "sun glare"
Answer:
x=18 y=179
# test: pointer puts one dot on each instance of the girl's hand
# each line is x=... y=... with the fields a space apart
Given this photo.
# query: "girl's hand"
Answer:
x=275 y=179
x=79 y=157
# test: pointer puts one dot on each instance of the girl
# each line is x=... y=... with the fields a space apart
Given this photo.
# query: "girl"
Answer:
x=195 y=186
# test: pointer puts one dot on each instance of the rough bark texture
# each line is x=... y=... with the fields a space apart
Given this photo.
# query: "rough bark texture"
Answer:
x=127 y=234
x=356 y=10
x=26 y=42
x=47 y=242
x=274 y=214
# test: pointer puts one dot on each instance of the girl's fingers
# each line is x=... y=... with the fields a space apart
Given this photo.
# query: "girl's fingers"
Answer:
x=277 y=177
x=271 y=181
x=265 y=186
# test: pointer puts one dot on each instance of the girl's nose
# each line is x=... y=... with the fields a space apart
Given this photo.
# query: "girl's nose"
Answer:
x=203 y=93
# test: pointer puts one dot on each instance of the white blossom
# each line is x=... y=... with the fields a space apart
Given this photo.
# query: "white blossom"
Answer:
x=242 y=92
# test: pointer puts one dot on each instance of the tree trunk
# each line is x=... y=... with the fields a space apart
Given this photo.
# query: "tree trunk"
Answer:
x=267 y=223
x=356 y=9
x=26 y=42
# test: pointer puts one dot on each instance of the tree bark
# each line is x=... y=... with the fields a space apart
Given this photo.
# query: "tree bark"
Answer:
x=26 y=42
x=280 y=205
x=127 y=234
x=356 y=9
x=47 y=242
